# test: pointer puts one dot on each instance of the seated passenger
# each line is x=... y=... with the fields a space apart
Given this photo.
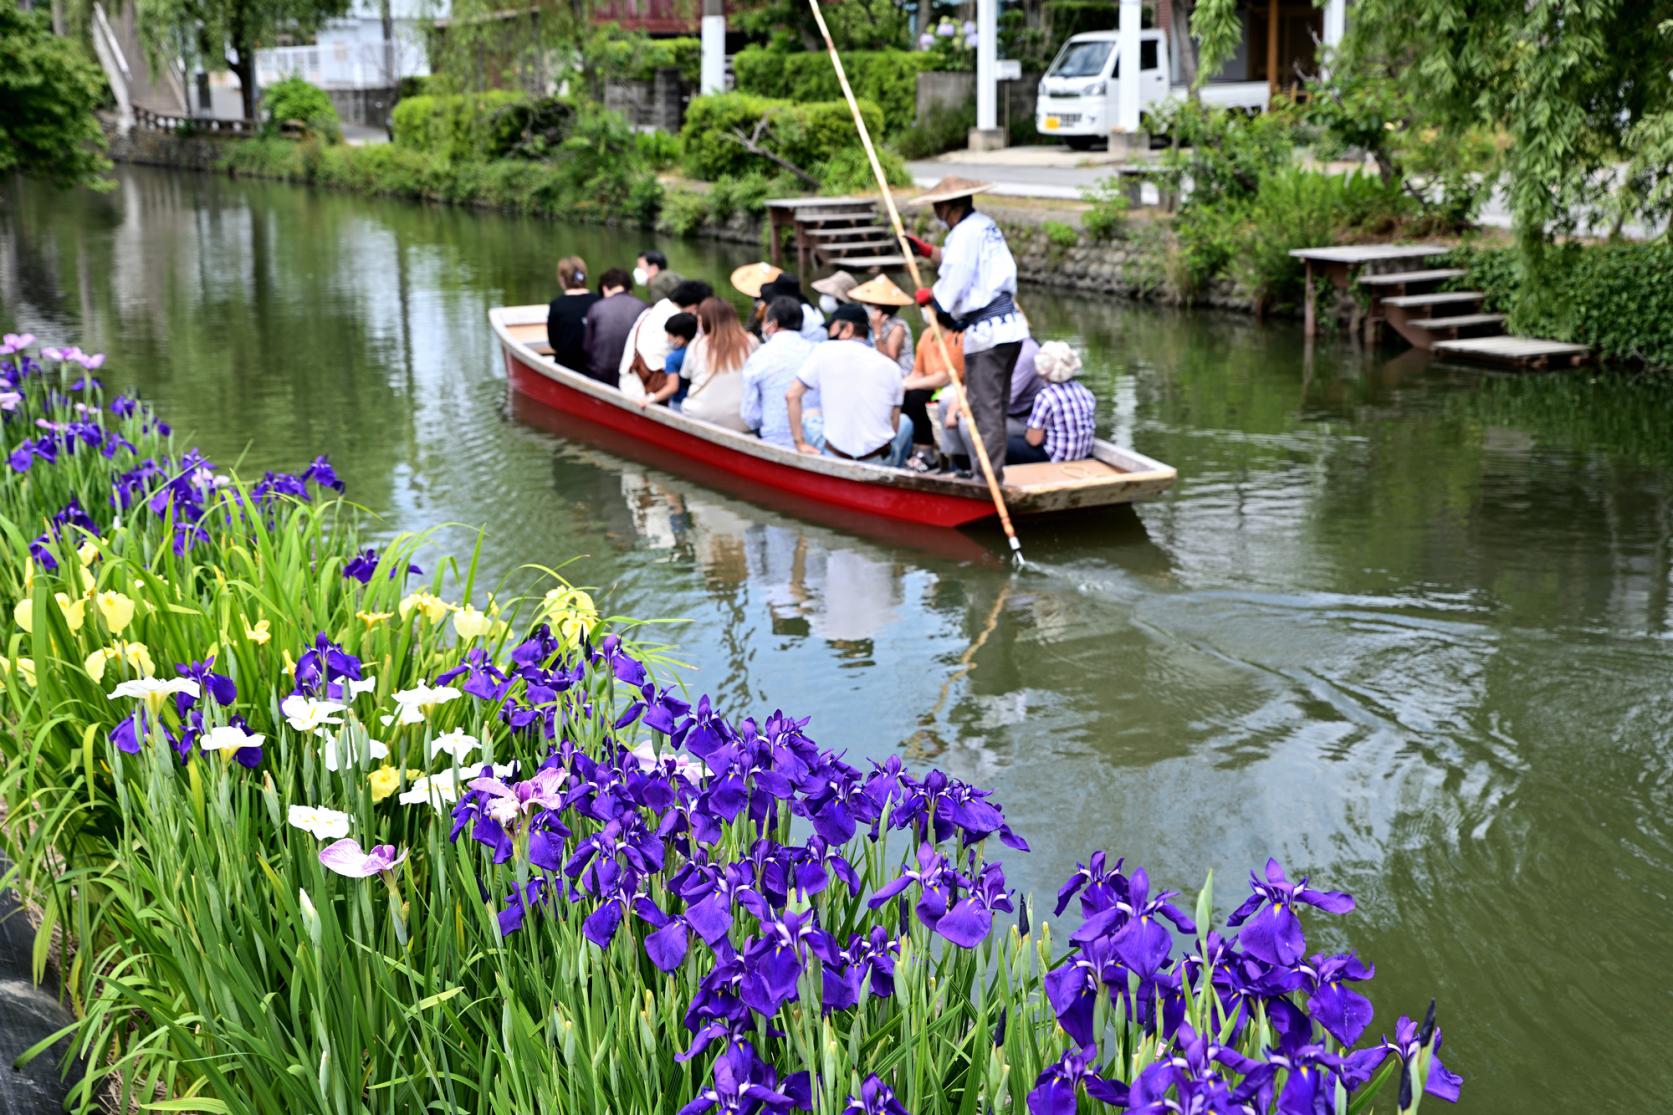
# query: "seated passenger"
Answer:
x=1065 y=416
x=648 y=347
x=769 y=372
x=566 y=317
x=607 y=325
x=860 y=392
x=681 y=330
x=788 y=286
x=751 y=280
x=714 y=365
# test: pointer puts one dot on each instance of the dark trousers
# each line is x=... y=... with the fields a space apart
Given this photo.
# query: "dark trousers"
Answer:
x=987 y=380
x=916 y=407
x=1019 y=452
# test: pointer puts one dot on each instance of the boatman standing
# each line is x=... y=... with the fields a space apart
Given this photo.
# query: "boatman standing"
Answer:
x=976 y=284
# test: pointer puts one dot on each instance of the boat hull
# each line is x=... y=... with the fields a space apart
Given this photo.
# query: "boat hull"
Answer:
x=928 y=508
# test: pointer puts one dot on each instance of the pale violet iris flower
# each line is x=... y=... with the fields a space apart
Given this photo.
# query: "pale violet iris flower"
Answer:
x=346 y=858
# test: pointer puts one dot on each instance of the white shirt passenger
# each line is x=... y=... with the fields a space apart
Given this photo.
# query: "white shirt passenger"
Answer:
x=859 y=389
x=650 y=339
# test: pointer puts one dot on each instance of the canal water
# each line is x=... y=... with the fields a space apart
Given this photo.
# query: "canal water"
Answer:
x=1404 y=626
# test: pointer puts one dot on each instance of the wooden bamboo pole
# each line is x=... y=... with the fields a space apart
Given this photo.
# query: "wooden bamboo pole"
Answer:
x=936 y=335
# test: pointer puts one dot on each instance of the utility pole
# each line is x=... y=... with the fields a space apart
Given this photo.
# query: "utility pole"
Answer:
x=987 y=136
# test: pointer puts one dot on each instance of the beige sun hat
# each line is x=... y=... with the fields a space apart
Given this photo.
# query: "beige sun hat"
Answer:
x=880 y=291
x=949 y=188
x=838 y=284
x=751 y=277
x=1056 y=362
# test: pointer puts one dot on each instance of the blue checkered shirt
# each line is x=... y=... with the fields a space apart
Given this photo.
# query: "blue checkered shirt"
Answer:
x=1068 y=413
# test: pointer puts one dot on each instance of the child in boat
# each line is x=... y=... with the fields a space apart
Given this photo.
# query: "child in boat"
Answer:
x=681 y=330
x=1064 y=418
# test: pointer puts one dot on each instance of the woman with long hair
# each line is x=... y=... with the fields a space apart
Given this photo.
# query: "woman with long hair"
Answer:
x=714 y=365
x=566 y=317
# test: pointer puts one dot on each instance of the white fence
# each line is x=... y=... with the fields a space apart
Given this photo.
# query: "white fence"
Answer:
x=334 y=65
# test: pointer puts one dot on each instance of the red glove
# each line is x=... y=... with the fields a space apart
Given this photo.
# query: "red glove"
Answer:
x=920 y=246
x=923 y=296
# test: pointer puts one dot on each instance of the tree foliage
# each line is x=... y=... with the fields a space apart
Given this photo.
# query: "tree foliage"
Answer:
x=1217 y=28
x=225 y=34
x=1576 y=87
x=48 y=91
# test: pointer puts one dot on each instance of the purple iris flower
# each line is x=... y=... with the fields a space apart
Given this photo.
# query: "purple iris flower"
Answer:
x=485 y=680
x=1072 y=989
x=875 y=1098
x=1342 y=1011
x=1133 y=924
x=1410 y=1039
x=362 y=565
x=773 y=964
x=744 y=1085
x=323 y=667
x=127 y=735
x=1057 y=1090
x=970 y=920
x=219 y=687
x=122 y=406
x=319 y=470
x=936 y=881
x=1274 y=934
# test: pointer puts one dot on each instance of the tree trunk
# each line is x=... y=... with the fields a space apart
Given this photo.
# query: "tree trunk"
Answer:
x=1181 y=35
x=244 y=68
x=390 y=77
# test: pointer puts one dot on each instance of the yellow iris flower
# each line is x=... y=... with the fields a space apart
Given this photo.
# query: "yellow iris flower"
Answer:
x=117 y=610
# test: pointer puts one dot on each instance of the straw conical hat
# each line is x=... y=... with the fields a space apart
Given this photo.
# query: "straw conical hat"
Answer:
x=751 y=277
x=949 y=188
x=838 y=284
x=880 y=291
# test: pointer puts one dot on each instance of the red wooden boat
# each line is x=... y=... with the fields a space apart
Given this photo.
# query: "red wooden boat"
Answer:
x=1111 y=476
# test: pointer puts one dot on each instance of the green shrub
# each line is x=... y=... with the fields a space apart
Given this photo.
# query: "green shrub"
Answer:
x=1107 y=217
x=613 y=52
x=461 y=125
x=944 y=128
x=806 y=135
x=888 y=78
x=746 y=194
x=293 y=99
x=1060 y=235
x=658 y=150
x=849 y=172
x=1618 y=298
x=685 y=211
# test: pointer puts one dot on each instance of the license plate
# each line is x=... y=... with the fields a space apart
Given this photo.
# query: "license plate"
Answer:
x=1053 y=123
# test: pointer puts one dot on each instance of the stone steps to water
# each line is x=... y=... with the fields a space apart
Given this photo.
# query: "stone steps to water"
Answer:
x=853 y=230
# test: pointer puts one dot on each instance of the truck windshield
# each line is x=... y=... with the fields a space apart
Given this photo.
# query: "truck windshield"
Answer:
x=1081 y=59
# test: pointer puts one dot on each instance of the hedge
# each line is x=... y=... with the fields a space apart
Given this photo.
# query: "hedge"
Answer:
x=888 y=78
x=1618 y=298
x=808 y=135
x=641 y=58
x=460 y=126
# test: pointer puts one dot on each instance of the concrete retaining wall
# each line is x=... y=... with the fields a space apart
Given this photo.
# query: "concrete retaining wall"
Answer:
x=950 y=89
x=657 y=103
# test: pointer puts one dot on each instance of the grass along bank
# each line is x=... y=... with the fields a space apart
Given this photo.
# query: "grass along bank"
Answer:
x=321 y=834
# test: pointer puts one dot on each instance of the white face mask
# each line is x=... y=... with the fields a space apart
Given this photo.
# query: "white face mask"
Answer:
x=828 y=303
x=641 y=276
